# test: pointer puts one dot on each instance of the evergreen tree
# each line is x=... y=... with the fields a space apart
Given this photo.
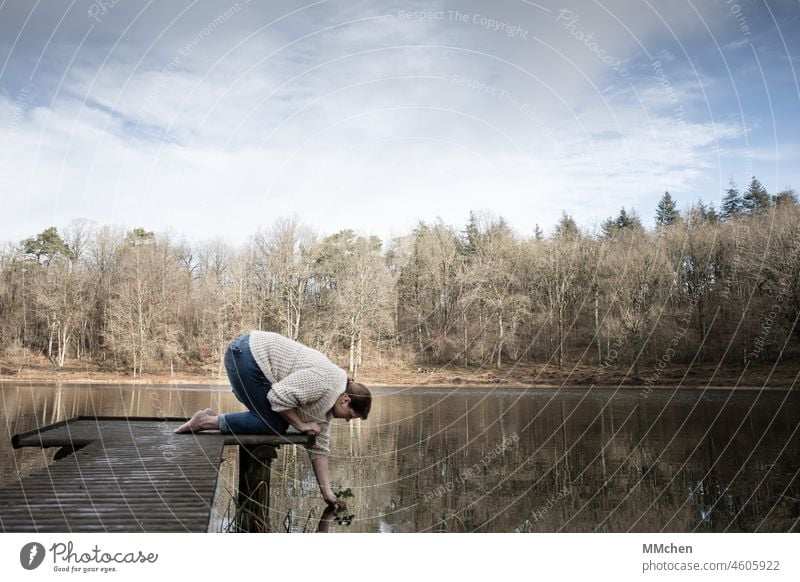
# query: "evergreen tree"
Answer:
x=756 y=197
x=785 y=198
x=623 y=221
x=711 y=215
x=471 y=236
x=566 y=227
x=139 y=237
x=626 y=220
x=46 y=245
x=700 y=214
x=537 y=232
x=731 y=204
x=666 y=211
x=609 y=227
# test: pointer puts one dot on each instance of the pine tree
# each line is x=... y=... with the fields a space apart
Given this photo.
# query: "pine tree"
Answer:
x=785 y=198
x=623 y=221
x=732 y=205
x=711 y=214
x=756 y=197
x=609 y=227
x=46 y=245
x=700 y=214
x=139 y=237
x=471 y=236
x=666 y=212
x=566 y=227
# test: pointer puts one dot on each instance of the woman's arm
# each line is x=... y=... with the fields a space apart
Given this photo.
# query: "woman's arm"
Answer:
x=320 y=465
x=294 y=419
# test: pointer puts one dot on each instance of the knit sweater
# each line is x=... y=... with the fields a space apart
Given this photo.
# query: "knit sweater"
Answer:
x=303 y=379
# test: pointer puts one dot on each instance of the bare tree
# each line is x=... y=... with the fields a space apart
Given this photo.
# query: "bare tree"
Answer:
x=12 y=310
x=481 y=294
x=285 y=255
x=210 y=285
x=61 y=297
x=78 y=235
x=140 y=319
x=360 y=289
x=430 y=288
x=640 y=293
x=558 y=280
x=493 y=279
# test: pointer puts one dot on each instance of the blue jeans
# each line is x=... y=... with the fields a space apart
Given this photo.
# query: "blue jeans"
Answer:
x=250 y=386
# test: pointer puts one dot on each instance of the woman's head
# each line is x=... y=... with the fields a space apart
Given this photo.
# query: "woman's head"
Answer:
x=355 y=402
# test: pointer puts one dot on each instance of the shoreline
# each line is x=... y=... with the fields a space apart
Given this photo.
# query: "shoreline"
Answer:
x=184 y=382
x=396 y=376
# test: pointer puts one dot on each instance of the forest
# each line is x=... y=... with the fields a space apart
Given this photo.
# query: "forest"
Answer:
x=704 y=285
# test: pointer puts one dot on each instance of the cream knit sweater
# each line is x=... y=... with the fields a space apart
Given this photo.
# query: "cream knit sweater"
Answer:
x=302 y=378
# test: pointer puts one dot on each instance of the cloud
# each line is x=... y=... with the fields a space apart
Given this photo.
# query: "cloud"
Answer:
x=212 y=120
x=738 y=43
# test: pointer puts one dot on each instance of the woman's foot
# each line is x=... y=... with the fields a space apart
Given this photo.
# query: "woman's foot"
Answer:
x=202 y=420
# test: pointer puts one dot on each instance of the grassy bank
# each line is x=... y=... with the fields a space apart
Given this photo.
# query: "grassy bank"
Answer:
x=766 y=374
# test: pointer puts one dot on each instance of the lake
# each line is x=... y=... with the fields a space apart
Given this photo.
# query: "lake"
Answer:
x=503 y=460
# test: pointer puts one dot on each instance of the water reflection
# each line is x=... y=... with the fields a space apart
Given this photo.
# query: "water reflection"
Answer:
x=504 y=460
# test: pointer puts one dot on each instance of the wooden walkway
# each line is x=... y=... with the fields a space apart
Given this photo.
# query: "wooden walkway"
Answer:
x=125 y=475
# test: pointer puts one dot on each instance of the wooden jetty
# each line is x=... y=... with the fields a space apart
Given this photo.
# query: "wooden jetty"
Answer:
x=135 y=474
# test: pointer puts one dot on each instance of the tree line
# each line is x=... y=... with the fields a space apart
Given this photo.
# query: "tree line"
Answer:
x=704 y=285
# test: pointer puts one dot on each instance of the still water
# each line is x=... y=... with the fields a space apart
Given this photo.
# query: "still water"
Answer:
x=502 y=460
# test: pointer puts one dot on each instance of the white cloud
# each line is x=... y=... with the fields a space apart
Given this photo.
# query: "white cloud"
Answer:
x=373 y=125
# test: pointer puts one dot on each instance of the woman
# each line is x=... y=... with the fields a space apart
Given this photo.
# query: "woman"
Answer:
x=284 y=383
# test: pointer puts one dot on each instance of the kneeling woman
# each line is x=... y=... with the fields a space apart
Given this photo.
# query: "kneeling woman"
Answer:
x=284 y=383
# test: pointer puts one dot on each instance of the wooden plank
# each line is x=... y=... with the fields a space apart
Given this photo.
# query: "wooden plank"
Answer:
x=155 y=483
x=130 y=476
x=125 y=475
x=83 y=430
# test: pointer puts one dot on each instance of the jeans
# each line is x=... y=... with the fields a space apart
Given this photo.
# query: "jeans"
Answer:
x=250 y=386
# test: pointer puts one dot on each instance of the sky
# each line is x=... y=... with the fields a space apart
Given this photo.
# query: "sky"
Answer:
x=214 y=119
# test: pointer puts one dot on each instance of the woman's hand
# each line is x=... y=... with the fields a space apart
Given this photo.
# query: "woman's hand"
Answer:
x=293 y=418
x=335 y=502
x=310 y=427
